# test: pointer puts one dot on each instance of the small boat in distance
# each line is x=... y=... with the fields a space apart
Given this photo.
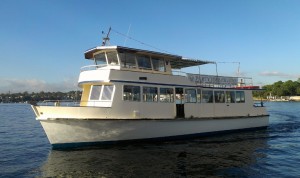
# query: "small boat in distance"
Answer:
x=134 y=94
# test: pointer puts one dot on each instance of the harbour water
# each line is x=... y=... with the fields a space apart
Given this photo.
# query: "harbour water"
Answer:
x=272 y=152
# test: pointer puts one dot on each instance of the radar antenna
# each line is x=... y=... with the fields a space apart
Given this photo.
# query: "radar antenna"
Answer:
x=106 y=39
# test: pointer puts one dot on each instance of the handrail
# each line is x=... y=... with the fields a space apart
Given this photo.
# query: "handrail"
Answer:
x=70 y=103
x=238 y=82
x=179 y=73
x=59 y=103
x=92 y=67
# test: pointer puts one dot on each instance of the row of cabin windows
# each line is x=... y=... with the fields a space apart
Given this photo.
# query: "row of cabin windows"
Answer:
x=130 y=60
x=166 y=95
x=150 y=94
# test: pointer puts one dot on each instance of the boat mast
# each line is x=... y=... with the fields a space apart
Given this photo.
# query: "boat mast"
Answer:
x=106 y=39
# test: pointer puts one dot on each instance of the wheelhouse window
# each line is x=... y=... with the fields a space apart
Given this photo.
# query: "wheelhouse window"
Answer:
x=190 y=96
x=240 y=96
x=100 y=59
x=166 y=95
x=131 y=93
x=219 y=96
x=150 y=94
x=158 y=64
x=127 y=60
x=230 y=96
x=112 y=57
x=144 y=62
x=199 y=95
x=207 y=96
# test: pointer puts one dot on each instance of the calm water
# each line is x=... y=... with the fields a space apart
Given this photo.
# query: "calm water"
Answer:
x=273 y=152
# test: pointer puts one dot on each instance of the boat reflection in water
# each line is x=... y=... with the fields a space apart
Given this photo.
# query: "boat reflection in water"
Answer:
x=236 y=154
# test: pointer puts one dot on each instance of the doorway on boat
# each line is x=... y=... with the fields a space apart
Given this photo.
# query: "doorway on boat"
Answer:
x=179 y=102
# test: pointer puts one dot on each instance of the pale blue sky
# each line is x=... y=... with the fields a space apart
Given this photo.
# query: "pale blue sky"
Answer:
x=42 y=42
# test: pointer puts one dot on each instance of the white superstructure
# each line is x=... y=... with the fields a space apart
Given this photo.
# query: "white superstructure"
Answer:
x=131 y=94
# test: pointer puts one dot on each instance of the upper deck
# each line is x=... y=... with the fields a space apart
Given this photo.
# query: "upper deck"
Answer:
x=129 y=59
x=123 y=58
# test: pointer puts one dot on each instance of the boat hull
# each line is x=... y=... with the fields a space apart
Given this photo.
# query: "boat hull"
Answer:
x=77 y=132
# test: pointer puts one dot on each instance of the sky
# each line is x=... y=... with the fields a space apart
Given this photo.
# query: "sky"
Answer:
x=42 y=43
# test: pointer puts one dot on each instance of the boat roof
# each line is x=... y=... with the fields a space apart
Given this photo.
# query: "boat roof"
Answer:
x=177 y=62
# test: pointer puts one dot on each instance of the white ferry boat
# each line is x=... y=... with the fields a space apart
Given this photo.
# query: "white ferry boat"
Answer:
x=133 y=94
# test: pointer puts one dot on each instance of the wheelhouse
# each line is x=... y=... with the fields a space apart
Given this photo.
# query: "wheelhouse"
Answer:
x=123 y=58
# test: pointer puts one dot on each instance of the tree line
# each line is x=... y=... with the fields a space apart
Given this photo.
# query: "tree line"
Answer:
x=39 y=96
x=280 y=88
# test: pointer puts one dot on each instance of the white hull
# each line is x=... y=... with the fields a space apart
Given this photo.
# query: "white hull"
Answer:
x=64 y=132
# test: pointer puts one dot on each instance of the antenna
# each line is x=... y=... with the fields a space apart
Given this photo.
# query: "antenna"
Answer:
x=127 y=35
x=238 y=71
x=106 y=39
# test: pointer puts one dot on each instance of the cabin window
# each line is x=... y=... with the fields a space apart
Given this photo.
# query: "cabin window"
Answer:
x=219 y=96
x=112 y=57
x=127 y=60
x=95 y=92
x=240 y=96
x=144 y=62
x=199 y=95
x=107 y=92
x=103 y=91
x=207 y=96
x=166 y=95
x=131 y=93
x=190 y=96
x=100 y=59
x=230 y=96
x=158 y=64
x=150 y=94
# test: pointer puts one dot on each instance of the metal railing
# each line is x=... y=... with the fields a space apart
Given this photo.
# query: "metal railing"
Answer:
x=59 y=103
x=92 y=67
x=216 y=81
x=70 y=103
x=179 y=73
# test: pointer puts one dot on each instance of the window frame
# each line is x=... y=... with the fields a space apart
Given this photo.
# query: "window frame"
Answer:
x=190 y=99
x=241 y=95
x=101 y=92
x=217 y=98
x=229 y=100
x=124 y=58
x=110 y=62
x=211 y=97
x=95 y=61
x=142 y=60
x=133 y=97
x=161 y=67
x=145 y=95
x=168 y=99
x=92 y=91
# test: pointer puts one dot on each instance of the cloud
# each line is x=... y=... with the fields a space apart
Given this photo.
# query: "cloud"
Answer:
x=35 y=85
x=278 y=74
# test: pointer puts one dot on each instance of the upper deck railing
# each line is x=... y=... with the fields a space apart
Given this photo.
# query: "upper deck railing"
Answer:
x=199 y=79
x=217 y=81
x=92 y=67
